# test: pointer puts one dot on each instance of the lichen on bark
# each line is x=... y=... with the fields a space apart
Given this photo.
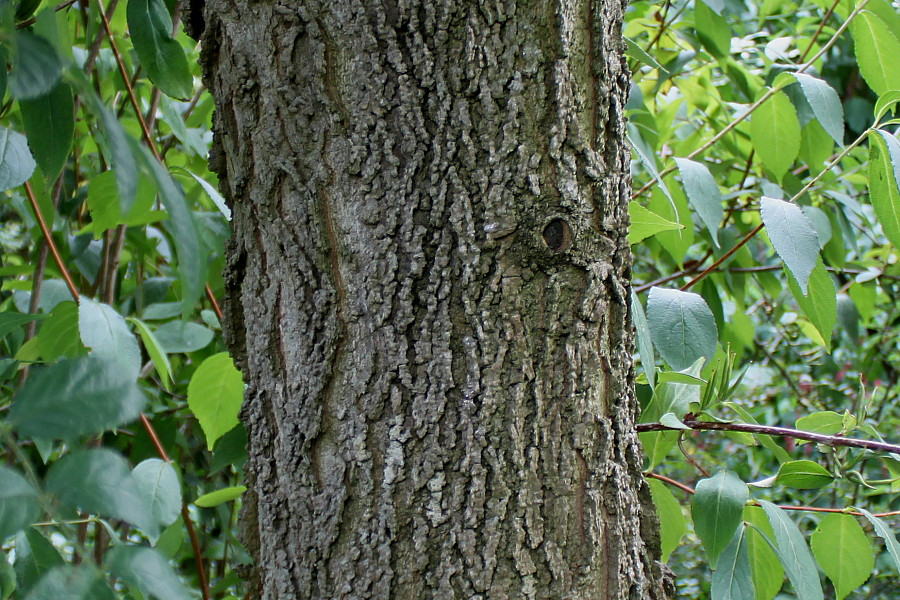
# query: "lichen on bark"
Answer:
x=427 y=293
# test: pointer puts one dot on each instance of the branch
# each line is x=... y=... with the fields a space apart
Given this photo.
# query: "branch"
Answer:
x=829 y=440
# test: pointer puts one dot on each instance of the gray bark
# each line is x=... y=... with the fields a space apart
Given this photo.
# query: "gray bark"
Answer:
x=427 y=293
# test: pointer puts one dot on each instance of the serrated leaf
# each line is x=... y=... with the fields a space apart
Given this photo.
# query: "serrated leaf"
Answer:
x=825 y=103
x=220 y=496
x=215 y=394
x=98 y=481
x=104 y=331
x=75 y=397
x=642 y=335
x=775 y=133
x=792 y=235
x=794 y=554
x=672 y=525
x=877 y=49
x=884 y=183
x=884 y=532
x=886 y=102
x=768 y=575
x=703 y=194
x=147 y=570
x=819 y=304
x=49 y=125
x=158 y=484
x=35 y=66
x=16 y=163
x=716 y=508
x=157 y=355
x=732 y=579
x=18 y=503
x=803 y=475
x=682 y=327
x=843 y=552
x=645 y=224
x=69 y=582
x=161 y=56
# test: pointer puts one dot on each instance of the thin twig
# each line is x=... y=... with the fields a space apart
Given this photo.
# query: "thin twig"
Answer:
x=829 y=440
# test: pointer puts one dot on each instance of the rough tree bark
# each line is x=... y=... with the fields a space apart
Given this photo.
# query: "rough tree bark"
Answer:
x=427 y=293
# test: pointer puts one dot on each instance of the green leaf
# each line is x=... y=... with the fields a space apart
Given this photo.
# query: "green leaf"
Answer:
x=98 y=481
x=75 y=397
x=182 y=225
x=220 y=203
x=886 y=102
x=703 y=193
x=10 y=321
x=34 y=557
x=50 y=124
x=732 y=579
x=792 y=235
x=780 y=453
x=161 y=56
x=884 y=532
x=716 y=508
x=825 y=103
x=58 y=337
x=682 y=327
x=642 y=335
x=794 y=554
x=157 y=355
x=68 y=582
x=645 y=224
x=768 y=575
x=35 y=66
x=884 y=183
x=106 y=207
x=182 y=336
x=634 y=51
x=157 y=482
x=16 y=164
x=775 y=133
x=7 y=580
x=105 y=332
x=825 y=422
x=672 y=525
x=713 y=30
x=820 y=302
x=215 y=394
x=117 y=143
x=221 y=496
x=803 y=475
x=877 y=49
x=147 y=570
x=18 y=503
x=843 y=552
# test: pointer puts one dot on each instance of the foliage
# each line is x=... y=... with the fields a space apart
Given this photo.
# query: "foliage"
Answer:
x=766 y=131
x=775 y=383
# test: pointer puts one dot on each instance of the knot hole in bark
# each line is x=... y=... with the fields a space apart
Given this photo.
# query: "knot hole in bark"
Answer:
x=557 y=235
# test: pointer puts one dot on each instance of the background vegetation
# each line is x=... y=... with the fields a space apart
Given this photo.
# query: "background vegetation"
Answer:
x=765 y=226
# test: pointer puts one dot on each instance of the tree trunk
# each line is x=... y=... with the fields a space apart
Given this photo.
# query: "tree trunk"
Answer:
x=428 y=296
